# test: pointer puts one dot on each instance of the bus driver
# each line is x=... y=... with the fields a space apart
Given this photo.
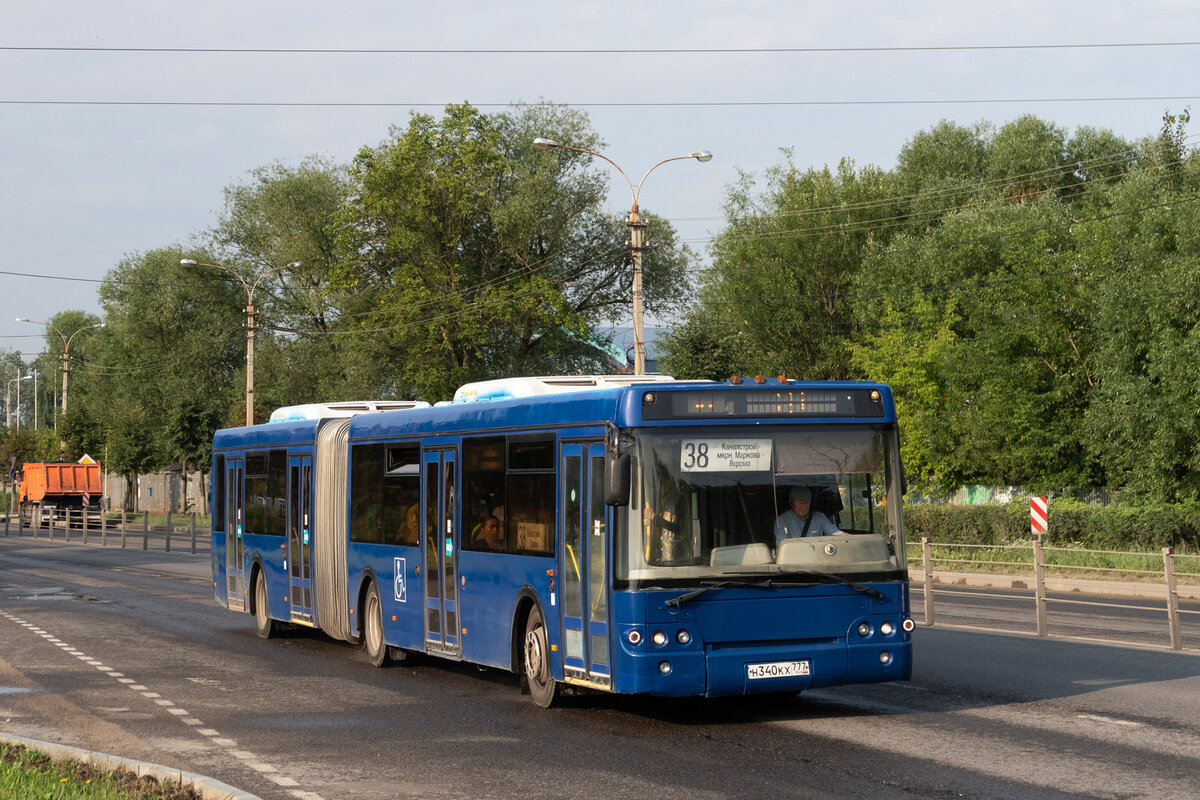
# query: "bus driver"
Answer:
x=801 y=519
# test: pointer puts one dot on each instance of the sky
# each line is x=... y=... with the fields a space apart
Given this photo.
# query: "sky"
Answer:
x=140 y=156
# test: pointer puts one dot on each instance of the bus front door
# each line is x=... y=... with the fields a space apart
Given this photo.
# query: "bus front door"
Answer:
x=441 y=554
x=583 y=565
x=235 y=550
x=300 y=544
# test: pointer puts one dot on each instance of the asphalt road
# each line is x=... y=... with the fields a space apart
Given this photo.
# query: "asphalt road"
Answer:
x=125 y=652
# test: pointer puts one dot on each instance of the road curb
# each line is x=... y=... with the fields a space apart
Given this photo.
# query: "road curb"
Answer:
x=208 y=788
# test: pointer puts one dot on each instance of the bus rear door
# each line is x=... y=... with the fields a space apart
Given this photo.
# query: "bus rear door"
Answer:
x=235 y=520
x=300 y=544
x=441 y=554
x=584 y=565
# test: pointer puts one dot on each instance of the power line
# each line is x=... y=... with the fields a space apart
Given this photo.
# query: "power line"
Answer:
x=587 y=51
x=950 y=245
x=598 y=104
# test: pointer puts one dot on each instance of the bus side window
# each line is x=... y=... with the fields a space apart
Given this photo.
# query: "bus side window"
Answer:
x=531 y=491
x=218 y=494
x=402 y=495
x=483 y=491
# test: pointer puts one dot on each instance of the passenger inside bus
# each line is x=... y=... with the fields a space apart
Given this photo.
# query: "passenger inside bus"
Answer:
x=410 y=532
x=486 y=535
x=801 y=519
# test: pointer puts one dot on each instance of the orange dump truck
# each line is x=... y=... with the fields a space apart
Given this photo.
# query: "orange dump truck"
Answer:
x=60 y=484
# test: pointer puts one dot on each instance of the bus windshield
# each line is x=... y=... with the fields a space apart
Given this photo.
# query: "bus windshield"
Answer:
x=707 y=503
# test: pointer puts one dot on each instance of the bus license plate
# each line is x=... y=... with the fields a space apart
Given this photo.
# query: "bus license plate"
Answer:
x=777 y=669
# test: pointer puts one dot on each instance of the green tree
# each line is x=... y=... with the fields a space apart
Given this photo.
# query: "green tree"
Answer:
x=1142 y=421
x=703 y=349
x=775 y=297
x=174 y=342
x=79 y=330
x=465 y=253
x=279 y=216
x=1000 y=339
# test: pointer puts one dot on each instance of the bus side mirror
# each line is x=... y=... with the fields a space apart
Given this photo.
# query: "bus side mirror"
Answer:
x=616 y=479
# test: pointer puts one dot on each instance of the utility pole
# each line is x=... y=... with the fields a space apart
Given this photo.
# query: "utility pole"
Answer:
x=635 y=237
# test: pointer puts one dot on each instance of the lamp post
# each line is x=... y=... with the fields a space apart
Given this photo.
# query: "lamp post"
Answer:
x=249 y=287
x=635 y=237
x=66 y=362
x=7 y=395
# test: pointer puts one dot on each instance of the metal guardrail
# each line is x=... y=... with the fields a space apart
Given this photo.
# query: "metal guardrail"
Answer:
x=1169 y=575
x=84 y=526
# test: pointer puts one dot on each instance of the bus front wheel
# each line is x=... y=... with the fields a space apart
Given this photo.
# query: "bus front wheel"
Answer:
x=373 y=640
x=542 y=687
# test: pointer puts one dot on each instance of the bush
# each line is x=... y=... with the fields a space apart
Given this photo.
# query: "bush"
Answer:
x=1071 y=523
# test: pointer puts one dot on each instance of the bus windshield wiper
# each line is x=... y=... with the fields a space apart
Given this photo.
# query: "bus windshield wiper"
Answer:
x=828 y=577
x=710 y=585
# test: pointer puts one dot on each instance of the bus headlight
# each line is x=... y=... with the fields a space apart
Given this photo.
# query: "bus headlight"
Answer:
x=885 y=658
x=908 y=625
x=634 y=637
x=683 y=637
x=659 y=638
x=664 y=667
x=886 y=628
x=864 y=629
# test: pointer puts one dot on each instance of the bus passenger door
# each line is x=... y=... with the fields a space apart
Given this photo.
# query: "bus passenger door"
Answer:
x=441 y=553
x=583 y=564
x=300 y=546
x=235 y=521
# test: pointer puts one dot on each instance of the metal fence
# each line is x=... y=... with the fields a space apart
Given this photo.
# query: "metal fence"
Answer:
x=1158 y=576
x=124 y=529
x=1142 y=569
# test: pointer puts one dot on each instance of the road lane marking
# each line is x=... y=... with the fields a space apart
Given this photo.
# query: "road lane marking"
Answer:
x=248 y=758
x=1110 y=720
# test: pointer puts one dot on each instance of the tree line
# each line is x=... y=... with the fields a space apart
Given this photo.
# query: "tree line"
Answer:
x=1027 y=292
x=451 y=251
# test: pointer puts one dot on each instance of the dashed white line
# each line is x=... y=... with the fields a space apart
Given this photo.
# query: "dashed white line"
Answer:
x=248 y=758
x=1110 y=720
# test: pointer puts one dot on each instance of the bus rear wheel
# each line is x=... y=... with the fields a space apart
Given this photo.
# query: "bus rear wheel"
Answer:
x=542 y=686
x=373 y=640
x=262 y=608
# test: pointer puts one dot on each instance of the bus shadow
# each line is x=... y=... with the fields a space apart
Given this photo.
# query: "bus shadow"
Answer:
x=955 y=670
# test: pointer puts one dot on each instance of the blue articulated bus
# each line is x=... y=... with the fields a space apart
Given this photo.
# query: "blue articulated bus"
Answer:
x=606 y=533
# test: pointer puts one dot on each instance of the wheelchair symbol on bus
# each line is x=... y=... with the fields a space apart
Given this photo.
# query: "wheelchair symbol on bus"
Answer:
x=401 y=593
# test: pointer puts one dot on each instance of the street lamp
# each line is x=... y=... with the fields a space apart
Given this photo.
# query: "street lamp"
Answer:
x=8 y=397
x=635 y=237
x=66 y=364
x=249 y=287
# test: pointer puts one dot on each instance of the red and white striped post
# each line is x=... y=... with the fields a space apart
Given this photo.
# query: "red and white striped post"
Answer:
x=1038 y=520
x=1038 y=516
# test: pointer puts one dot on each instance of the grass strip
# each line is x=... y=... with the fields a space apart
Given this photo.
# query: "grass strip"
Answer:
x=29 y=775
